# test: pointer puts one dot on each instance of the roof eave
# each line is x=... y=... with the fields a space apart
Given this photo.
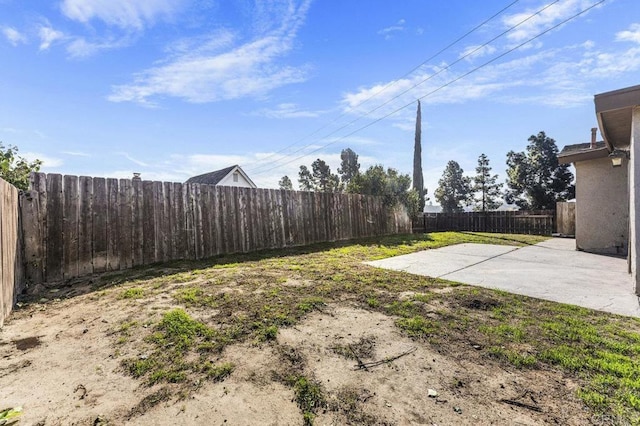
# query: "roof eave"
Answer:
x=590 y=154
x=614 y=112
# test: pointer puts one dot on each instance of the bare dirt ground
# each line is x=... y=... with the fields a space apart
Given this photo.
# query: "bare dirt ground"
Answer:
x=61 y=363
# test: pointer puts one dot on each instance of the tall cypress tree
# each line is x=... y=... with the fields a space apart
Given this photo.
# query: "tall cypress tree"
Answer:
x=418 y=182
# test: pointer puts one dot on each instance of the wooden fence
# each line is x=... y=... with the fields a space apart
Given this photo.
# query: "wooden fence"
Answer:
x=566 y=218
x=539 y=222
x=11 y=266
x=76 y=226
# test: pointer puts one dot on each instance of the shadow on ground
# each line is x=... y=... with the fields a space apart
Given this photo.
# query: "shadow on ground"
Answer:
x=87 y=284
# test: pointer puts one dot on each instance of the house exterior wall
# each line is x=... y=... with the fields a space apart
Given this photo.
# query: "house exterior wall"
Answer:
x=634 y=199
x=602 y=207
x=228 y=181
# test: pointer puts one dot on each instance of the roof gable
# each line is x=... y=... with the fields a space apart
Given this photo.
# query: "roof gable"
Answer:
x=211 y=178
x=216 y=177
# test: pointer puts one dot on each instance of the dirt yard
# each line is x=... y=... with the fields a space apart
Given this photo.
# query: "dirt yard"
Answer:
x=255 y=347
x=68 y=374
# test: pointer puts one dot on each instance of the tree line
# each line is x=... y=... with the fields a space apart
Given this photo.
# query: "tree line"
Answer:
x=389 y=183
x=535 y=181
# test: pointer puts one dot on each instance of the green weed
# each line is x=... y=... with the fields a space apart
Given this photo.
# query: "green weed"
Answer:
x=179 y=330
x=418 y=326
x=517 y=359
x=309 y=397
x=218 y=372
x=309 y=304
x=133 y=293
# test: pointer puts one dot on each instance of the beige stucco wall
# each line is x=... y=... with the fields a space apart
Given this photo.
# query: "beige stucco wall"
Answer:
x=602 y=207
x=634 y=182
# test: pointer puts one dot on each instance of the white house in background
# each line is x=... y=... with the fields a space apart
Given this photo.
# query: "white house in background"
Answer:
x=229 y=176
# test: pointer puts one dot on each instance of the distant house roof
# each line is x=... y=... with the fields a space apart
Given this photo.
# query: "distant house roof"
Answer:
x=215 y=177
x=582 y=152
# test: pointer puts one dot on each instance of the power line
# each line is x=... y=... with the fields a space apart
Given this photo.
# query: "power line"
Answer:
x=446 y=84
x=387 y=86
x=470 y=53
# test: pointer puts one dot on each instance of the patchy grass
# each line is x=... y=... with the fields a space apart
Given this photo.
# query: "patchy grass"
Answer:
x=218 y=372
x=309 y=397
x=133 y=293
x=250 y=297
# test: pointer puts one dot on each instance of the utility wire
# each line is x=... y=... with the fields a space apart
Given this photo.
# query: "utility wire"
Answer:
x=446 y=84
x=441 y=70
x=387 y=86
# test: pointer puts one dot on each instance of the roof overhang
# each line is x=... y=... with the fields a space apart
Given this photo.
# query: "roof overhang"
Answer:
x=614 y=111
x=583 y=155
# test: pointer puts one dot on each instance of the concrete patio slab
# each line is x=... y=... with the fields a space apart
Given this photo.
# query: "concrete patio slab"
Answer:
x=551 y=270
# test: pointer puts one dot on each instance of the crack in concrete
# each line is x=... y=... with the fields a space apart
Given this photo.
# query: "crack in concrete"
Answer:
x=478 y=263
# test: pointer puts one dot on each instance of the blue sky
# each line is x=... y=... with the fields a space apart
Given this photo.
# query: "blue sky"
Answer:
x=175 y=88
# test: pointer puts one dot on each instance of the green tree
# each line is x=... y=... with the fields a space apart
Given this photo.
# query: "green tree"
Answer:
x=323 y=179
x=393 y=186
x=305 y=179
x=535 y=179
x=488 y=191
x=285 y=183
x=319 y=178
x=454 y=189
x=15 y=169
x=418 y=179
x=349 y=166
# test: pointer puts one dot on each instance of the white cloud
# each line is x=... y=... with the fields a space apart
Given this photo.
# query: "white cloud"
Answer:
x=610 y=64
x=80 y=47
x=388 y=32
x=559 y=77
x=133 y=160
x=549 y=17
x=286 y=110
x=76 y=153
x=14 y=36
x=472 y=52
x=161 y=176
x=356 y=140
x=48 y=162
x=425 y=82
x=632 y=34
x=48 y=36
x=202 y=75
x=126 y=14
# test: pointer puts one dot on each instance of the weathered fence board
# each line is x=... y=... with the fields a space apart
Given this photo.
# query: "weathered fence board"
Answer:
x=113 y=226
x=125 y=223
x=78 y=226
x=12 y=266
x=137 y=231
x=566 y=218
x=71 y=213
x=85 y=225
x=539 y=222
x=55 y=203
x=100 y=216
